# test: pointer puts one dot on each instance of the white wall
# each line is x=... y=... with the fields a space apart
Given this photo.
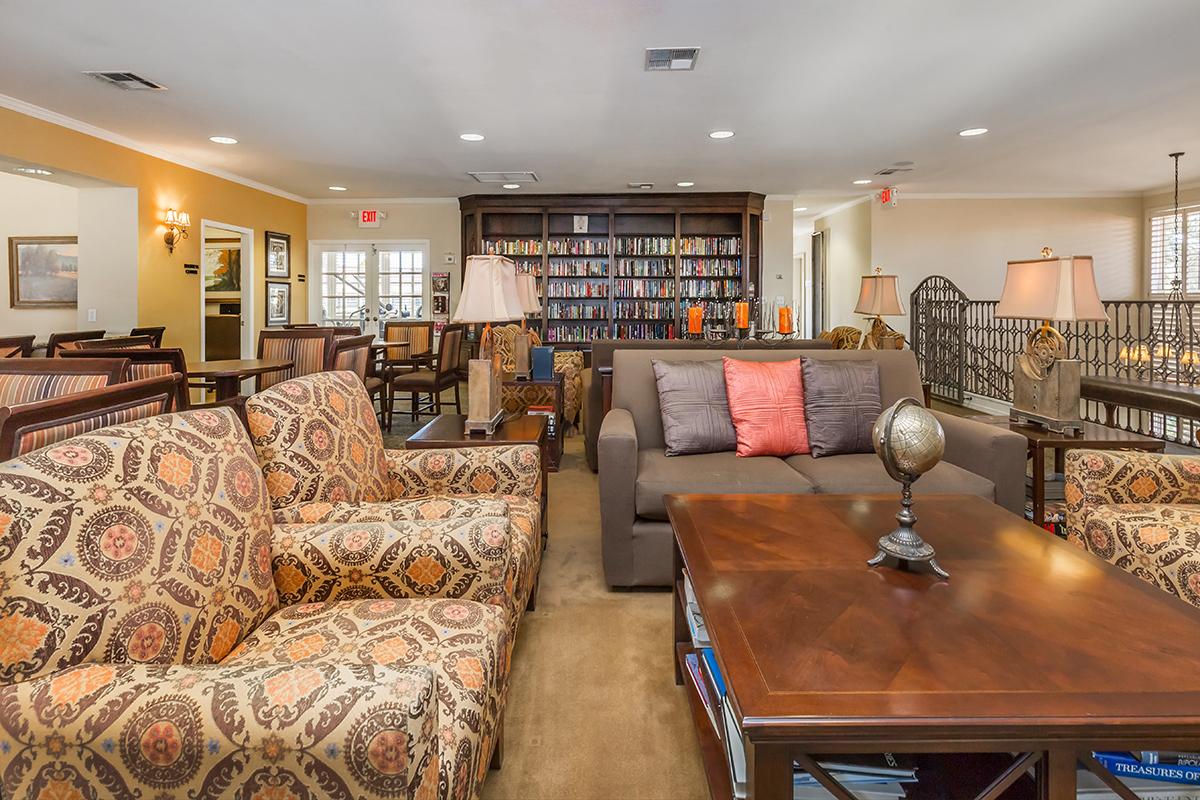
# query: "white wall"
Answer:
x=971 y=240
x=32 y=207
x=848 y=256
x=108 y=258
x=778 y=271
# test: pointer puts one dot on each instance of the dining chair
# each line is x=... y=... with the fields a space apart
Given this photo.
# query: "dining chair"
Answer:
x=432 y=380
x=26 y=380
x=155 y=334
x=16 y=346
x=57 y=340
x=418 y=338
x=30 y=426
x=148 y=362
x=113 y=343
x=291 y=326
x=307 y=348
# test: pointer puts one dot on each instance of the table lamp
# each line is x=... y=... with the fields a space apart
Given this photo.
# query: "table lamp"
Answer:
x=489 y=294
x=527 y=292
x=1045 y=381
x=879 y=297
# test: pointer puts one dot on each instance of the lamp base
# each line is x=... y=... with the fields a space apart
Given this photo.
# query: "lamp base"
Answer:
x=1052 y=402
x=522 y=344
x=484 y=410
x=487 y=426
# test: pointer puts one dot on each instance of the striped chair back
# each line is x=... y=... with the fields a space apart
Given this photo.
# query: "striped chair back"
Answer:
x=351 y=353
x=28 y=380
x=148 y=362
x=16 y=346
x=418 y=334
x=115 y=343
x=29 y=427
x=307 y=348
x=57 y=340
x=448 y=348
x=155 y=333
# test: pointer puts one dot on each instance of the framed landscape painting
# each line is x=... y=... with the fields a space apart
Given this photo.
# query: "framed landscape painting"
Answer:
x=223 y=265
x=43 y=271
x=279 y=303
x=279 y=254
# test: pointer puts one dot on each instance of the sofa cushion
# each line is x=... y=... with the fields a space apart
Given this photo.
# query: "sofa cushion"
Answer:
x=841 y=403
x=766 y=401
x=695 y=410
x=863 y=473
x=721 y=473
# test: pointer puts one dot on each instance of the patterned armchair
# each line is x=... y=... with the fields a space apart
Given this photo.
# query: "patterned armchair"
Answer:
x=144 y=652
x=567 y=362
x=1139 y=511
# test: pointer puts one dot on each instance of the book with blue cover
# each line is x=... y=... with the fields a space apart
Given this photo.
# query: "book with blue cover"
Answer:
x=1126 y=765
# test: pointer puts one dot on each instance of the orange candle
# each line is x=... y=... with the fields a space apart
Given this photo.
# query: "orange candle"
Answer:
x=785 y=319
x=742 y=315
x=695 y=319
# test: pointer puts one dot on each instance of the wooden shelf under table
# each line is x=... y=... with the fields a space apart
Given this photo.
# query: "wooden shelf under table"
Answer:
x=712 y=750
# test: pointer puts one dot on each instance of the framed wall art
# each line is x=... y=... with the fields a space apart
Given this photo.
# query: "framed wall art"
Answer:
x=43 y=271
x=279 y=303
x=279 y=254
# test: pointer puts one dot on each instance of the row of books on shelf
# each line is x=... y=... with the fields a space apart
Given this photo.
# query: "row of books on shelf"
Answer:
x=868 y=777
x=644 y=309
x=690 y=287
x=577 y=247
x=591 y=290
x=644 y=288
x=710 y=268
x=645 y=245
x=513 y=247
x=576 y=332
x=719 y=310
x=583 y=268
x=646 y=267
x=645 y=330
x=556 y=310
x=710 y=245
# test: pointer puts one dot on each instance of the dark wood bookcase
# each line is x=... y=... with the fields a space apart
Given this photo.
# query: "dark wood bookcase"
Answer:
x=623 y=266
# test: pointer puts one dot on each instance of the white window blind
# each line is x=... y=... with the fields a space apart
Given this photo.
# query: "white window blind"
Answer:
x=1166 y=245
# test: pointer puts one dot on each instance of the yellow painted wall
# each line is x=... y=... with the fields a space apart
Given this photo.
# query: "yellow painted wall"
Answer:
x=167 y=296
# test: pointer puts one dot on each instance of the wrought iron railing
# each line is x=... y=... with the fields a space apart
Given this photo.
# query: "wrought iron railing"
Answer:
x=963 y=350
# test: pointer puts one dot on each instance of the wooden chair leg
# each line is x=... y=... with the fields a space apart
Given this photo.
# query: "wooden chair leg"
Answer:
x=437 y=401
x=390 y=401
x=457 y=402
x=416 y=405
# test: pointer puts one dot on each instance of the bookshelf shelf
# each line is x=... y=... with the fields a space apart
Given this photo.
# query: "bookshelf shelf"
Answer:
x=643 y=249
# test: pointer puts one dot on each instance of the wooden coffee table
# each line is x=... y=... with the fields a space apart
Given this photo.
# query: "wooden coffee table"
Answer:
x=1032 y=646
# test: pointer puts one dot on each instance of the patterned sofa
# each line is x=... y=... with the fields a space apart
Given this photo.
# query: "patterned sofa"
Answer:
x=1139 y=511
x=155 y=639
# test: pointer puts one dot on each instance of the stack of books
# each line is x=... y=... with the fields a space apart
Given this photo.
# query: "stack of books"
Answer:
x=880 y=777
x=1151 y=775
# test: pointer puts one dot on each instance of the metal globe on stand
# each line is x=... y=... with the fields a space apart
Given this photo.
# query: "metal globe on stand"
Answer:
x=909 y=441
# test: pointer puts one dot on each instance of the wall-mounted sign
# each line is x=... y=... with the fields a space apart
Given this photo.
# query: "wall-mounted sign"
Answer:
x=888 y=196
x=581 y=223
x=368 y=218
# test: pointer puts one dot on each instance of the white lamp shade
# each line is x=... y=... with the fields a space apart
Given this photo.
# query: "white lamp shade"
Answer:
x=489 y=291
x=1062 y=289
x=879 y=296
x=527 y=291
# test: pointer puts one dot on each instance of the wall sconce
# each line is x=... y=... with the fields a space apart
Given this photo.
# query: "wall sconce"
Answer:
x=177 y=223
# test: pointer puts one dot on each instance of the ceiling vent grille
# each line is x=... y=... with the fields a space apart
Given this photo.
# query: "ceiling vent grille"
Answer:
x=893 y=170
x=523 y=176
x=127 y=80
x=671 y=59
x=640 y=185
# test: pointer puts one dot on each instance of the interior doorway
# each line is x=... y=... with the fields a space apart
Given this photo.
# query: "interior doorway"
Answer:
x=226 y=291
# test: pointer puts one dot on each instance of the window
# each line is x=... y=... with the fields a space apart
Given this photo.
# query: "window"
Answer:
x=343 y=286
x=1166 y=245
x=367 y=284
x=401 y=283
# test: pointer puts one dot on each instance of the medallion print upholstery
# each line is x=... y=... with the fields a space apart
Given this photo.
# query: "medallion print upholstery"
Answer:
x=464 y=644
x=317 y=440
x=458 y=558
x=127 y=545
x=1139 y=511
x=507 y=469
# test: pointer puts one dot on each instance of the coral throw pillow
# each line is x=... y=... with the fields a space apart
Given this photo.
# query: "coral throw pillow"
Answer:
x=766 y=401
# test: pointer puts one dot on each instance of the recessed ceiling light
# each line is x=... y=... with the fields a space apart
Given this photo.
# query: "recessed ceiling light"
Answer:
x=471 y=137
x=32 y=171
x=799 y=209
x=720 y=134
x=862 y=181
x=512 y=186
x=337 y=188
x=222 y=139
x=973 y=132
x=686 y=184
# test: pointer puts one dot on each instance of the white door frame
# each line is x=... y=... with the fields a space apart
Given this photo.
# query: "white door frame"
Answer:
x=314 y=268
x=247 y=301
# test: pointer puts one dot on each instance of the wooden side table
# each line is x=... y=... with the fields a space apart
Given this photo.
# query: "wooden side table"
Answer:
x=557 y=386
x=1092 y=437
x=449 y=430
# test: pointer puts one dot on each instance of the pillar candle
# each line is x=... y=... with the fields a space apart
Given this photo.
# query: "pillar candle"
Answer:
x=785 y=319
x=695 y=319
x=742 y=315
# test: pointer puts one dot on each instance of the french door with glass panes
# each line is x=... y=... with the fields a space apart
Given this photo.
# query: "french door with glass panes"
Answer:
x=368 y=284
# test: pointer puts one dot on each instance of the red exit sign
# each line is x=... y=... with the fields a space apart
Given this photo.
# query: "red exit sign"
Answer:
x=368 y=218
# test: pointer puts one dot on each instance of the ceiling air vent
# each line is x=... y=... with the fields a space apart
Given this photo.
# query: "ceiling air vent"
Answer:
x=671 y=58
x=519 y=176
x=127 y=80
x=893 y=170
x=640 y=185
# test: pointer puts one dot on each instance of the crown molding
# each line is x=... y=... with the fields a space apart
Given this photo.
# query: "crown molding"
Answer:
x=1170 y=189
x=79 y=126
x=381 y=201
x=1013 y=195
x=842 y=207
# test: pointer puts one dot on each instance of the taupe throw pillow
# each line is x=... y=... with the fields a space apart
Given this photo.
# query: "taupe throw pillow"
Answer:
x=841 y=403
x=695 y=410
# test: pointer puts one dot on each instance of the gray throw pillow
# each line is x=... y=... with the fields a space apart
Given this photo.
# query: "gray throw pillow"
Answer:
x=695 y=410
x=841 y=403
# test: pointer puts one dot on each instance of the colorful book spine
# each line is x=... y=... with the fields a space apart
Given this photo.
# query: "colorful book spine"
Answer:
x=1125 y=765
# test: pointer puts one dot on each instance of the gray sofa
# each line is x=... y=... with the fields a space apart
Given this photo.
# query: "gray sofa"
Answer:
x=980 y=459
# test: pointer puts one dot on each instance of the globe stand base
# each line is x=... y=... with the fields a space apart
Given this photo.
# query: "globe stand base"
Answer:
x=904 y=543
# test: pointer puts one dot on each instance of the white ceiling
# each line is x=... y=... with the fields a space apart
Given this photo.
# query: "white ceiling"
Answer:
x=1080 y=95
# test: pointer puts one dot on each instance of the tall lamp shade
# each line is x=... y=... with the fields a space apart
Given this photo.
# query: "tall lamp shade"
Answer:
x=879 y=296
x=489 y=291
x=528 y=293
x=1055 y=289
